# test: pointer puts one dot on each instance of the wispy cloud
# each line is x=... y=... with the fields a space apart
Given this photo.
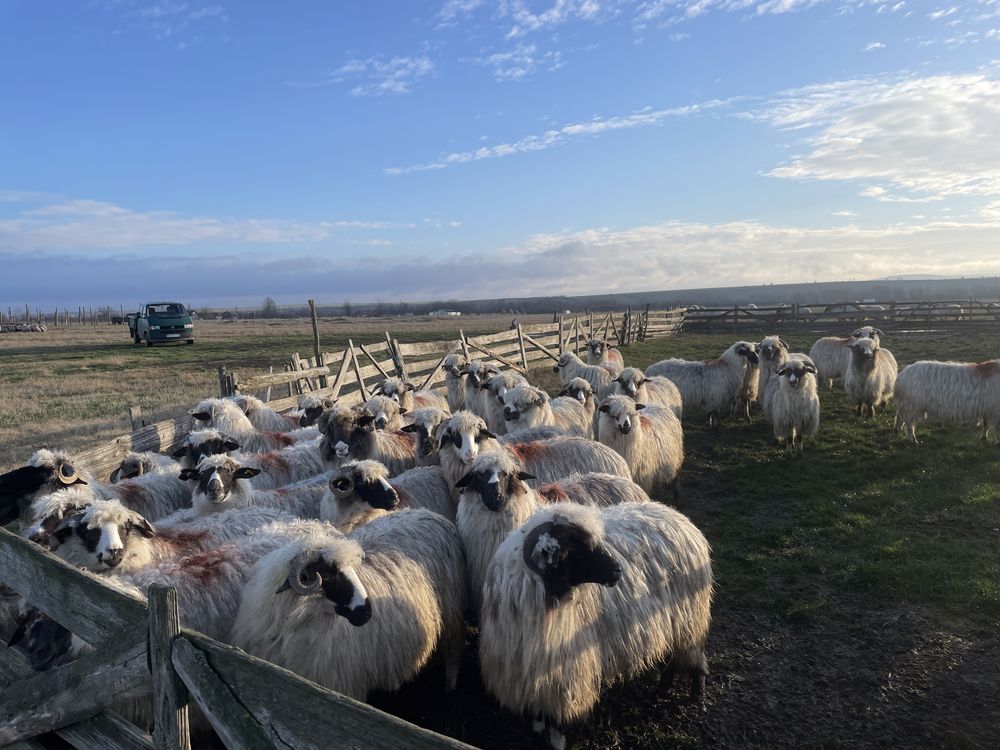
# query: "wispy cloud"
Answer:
x=924 y=137
x=943 y=13
x=845 y=213
x=165 y=19
x=559 y=136
x=376 y=75
x=520 y=62
x=873 y=46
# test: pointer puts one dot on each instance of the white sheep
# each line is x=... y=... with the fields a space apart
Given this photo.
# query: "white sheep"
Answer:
x=569 y=640
x=363 y=612
x=583 y=392
x=408 y=398
x=570 y=366
x=600 y=353
x=361 y=491
x=464 y=436
x=262 y=416
x=312 y=406
x=228 y=418
x=832 y=354
x=871 y=376
x=495 y=499
x=135 y=464
x=651 y=442
x=424 y=431
x=749 y=392
x=476 y=373
x=645 y=389
x=526 y=406
x=494 y=391
x=712 y=385
x=454 y=366
x=387 y=412
x=774 y=353
x=962 y=393
x=350 y=435
x=793 y=407
x=222 y=483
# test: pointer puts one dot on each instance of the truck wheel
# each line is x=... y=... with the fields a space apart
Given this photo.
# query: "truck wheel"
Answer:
x=149 y=341
x=136 y=339
x=190 y=342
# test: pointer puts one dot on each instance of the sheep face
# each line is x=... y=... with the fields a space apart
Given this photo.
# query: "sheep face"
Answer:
x=494 y=483
x=521 y=401
x=745 y=349
x=465 y=436
x=395 y=389
x=622 y=411
x=596 y=347
x=771 y=347
x=47 y=643
x=312 y=410
x=46 y=472
x=132 y=466
x=565 y=555
x=863 y=352
x=357 y=488
x=795 y=372
x=386 y=410
x=630 y=381
x=312 y=573
x=454 y=364
x=203 y=443
x=501 y=383
x=579 y=389
x=867 y=332
x=218 y=478
x=204 y=413
x=424 y=426
x=566 y=359
x=477 y=372
x=98 y=538
x=345 y=433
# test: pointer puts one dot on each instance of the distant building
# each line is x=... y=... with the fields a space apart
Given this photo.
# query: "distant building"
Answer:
x=444 y=314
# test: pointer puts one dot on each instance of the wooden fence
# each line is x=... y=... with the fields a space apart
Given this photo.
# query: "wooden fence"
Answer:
x=352 y=373
x=941 y=314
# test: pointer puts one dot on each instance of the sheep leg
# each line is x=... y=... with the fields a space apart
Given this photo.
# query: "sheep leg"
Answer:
x=675 y=488
x=698 y=674
x=667 y=677
x=911 y=433
x=452 y=661
x=557 y=740
x=538 y=724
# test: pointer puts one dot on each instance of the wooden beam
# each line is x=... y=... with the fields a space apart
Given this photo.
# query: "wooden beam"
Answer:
x=541 y=347
x=440 y=364
x=172 y=730
x=400 y=363
x=374 y=361
x=135 y=418
x=465 y=347
x=496 y=356
x=520 y=345
x=357 y=370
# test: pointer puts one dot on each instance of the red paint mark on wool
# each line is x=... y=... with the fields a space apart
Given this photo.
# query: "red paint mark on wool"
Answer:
x=272 y=461
x=528 y=451
x=553 y=493
x=988 y=368
x=129 y=493
x=645 y=423
x=280 y=438
x=406 y=439
x=209 y=565
x=715 y=362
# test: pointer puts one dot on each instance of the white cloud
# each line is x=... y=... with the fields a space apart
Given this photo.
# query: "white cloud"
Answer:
x=376 y=75
x=882 y=195
x=164 y=19
x=559 y=136
x=944 y=13
x=873 y=46
x=845 y=213
x=520 y=62
x=929 y=137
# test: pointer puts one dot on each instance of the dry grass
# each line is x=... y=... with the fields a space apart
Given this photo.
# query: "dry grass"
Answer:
x=72 y=386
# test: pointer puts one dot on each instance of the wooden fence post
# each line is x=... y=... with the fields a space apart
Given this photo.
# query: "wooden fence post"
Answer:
x=560 y=335
x=316 y=350
x=170 y=698
x=520 y=344
x=222 y=382
x=135 y=417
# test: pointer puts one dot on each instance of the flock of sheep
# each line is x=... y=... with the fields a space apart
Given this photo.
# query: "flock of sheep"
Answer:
x=350 y=544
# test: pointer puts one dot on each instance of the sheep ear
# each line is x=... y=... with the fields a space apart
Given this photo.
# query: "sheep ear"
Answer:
x=487 y=433
x=114 y=475
x=878 y=332
x=783 y=344
x=445 y=436
x=364 y=419
x=181 y=452
x=604 y=408
x=524 y=476
x=408 y=427
x=187 y=474
x=564 y=391
x=640 y=407
x=143 y=526
x=201 y=415
x=329 y=402
x=781 y=371
x=378 y=389
x=402 y=410
x=809 y=368
x=464 y=481
x=230 y=445
x=409 y=386
x=246 y=472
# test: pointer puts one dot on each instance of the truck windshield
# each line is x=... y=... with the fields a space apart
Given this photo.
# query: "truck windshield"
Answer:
x=169 y=310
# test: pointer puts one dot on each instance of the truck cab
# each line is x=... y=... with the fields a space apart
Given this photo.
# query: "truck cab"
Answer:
x=161 y=323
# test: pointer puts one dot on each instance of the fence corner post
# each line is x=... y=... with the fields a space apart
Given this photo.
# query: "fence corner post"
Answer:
x=170 y=699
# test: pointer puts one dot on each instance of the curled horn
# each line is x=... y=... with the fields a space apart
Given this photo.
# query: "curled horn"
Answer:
x=529 y=546
x=297 y=580
x=67 y=473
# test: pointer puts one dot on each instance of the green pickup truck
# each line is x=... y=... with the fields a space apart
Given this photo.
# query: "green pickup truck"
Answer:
x=161 y=323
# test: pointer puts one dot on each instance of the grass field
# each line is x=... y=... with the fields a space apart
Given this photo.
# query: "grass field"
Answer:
x=858 y=585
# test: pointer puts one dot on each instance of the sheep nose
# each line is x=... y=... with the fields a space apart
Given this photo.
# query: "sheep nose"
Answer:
x=112 y=558
x=381 y=422
x=555 y=369
x=509 y=415
x=625 y=428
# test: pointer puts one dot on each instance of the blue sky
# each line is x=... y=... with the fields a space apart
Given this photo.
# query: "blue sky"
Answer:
x=219 y=152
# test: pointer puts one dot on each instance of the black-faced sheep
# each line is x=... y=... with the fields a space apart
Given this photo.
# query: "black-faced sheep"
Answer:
x=476 y=373
x=494 y=391
x=526 y=406
x=424 y=431
x=646 y=389
x=350 y=435
x=793 y=407
x=387 y=412
x=570 y=639
x=583 y=392
x=408 y=397
x=599 y=353
x=46 y=472
x=135 y=464
x=832 y=354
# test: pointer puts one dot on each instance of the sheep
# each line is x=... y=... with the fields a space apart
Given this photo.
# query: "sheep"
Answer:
x=227 y=417
x=643 y=389
x=397 y=585
x=583 y=392
x=493 y=392
x=360 y=491
x=599 y=353
x=476 y=372
x=312 y=406
x=871 y=376
x=495 y=500
x=710 y=385
x=350 y=434
x=408 y=398
x=793 y=407
x=46 y=471
x=526 y=406
x=424 y=428
x=749 y=392
x=387 y=412
x=832 y=354
x=135 y=464
x=652 y=443
x=453 y=366
x=570 y=366
x=774 y=354
x=286 y=466
x=200 y=443
x=952 y=392
x=263 y=417
x=222 y=483
x=569 y=640
x=464 y=436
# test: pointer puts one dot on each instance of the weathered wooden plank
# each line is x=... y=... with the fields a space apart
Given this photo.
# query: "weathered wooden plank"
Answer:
x=494 y=338
x=375 y=363
x=520 y=347
x=423 y=348
x=78 y=691
x=465 y=343
x=494 y=355
x=400 y=362
x=541 y=347
x=293 y=712
x=357 y=369
x=437 y=369
x=257 y=382
x=561 y=336
x=159 y=437
x=170 y=714
x=339 y=381
x=540 y=328
x=95 y=612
